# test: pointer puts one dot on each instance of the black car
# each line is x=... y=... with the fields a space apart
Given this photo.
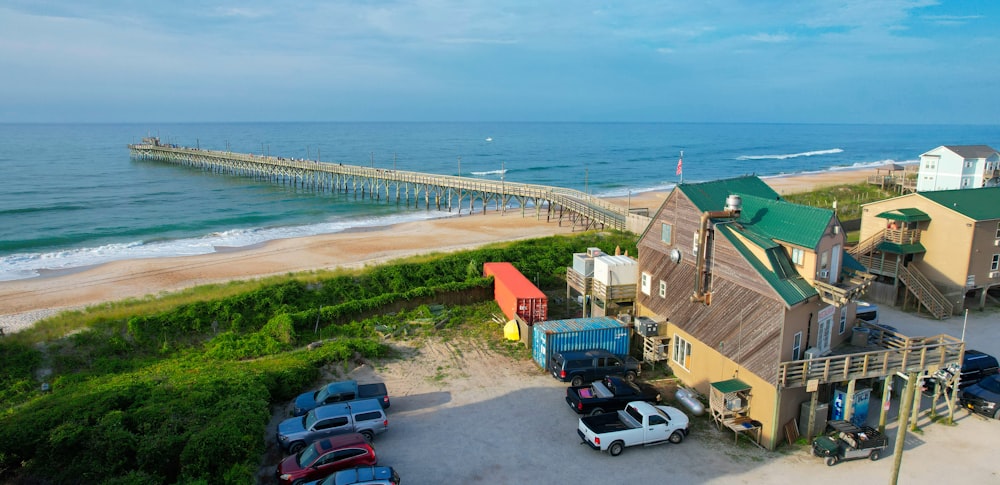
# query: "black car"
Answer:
x=976 y=366
x=983 y=397
x=582 y=366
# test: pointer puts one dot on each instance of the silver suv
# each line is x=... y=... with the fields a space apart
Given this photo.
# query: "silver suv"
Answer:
x=365 y=416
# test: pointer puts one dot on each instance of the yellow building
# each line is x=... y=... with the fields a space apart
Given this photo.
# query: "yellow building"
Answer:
x=757 y=297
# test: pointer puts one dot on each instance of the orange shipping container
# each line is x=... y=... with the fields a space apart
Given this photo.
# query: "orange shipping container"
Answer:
x=515 y=294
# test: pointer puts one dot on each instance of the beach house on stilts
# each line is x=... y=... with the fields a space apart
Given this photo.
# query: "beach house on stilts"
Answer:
x=756 y=298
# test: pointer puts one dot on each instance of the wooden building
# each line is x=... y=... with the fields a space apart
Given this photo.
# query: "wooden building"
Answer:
x=754 y=289
x=933 y=248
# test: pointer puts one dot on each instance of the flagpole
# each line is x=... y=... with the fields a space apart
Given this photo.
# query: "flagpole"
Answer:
x=680 y=167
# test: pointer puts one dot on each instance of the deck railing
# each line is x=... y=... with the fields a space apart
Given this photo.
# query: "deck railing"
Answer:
x=900 y=354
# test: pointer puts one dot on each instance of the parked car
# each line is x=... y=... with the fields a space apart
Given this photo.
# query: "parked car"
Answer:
x=341 y=391
x=369 y=475
x=640 y=423
x=867 y=312
x=849 y=442
x=608 y=395
x=983 y=397
x=366 y=417
x=577 y=367
x=323 y=457
x=976 y=366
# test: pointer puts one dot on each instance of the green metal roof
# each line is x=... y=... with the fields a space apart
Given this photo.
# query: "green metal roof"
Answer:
x=781 y=275
x=850 y=263
x=905 y=215
x=711 y=196
x=979 y=204
x=732 y=385
x=801 y=225
x=891 y=247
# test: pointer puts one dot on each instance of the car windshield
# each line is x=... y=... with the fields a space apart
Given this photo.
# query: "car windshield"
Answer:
x=309 y=419
x=322 y=394
x=307 y=456
x=991 y=384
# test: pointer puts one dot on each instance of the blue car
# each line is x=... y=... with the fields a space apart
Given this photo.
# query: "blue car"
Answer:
x=365 y=475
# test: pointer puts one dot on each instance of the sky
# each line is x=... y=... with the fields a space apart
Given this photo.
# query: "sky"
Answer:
x=783 y=61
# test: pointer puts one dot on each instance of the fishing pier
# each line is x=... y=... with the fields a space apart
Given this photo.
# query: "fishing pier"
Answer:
x=440 y=192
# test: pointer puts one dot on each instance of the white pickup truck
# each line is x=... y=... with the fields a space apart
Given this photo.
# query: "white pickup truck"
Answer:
x=640 y=423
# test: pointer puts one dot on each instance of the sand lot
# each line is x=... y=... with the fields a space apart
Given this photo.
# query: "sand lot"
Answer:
x=462 y=414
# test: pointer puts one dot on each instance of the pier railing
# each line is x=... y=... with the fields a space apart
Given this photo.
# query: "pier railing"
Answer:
x=442 y=191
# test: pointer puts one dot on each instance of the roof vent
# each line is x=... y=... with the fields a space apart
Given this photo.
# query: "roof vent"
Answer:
x=734 y=203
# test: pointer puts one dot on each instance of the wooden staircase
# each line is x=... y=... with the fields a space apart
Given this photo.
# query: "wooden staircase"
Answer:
x=868 y=245
x=925 y=291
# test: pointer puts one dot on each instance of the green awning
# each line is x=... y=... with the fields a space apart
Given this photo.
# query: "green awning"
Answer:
x=851 y=263
x=732 y=385
x=889 y=247
x=905 y=215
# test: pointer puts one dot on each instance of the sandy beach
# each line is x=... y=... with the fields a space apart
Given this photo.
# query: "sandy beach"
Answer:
x=23 y=302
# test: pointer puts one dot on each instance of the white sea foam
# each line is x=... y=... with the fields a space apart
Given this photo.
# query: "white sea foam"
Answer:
x=490 y=172
x=28 y=265
x=790 y=155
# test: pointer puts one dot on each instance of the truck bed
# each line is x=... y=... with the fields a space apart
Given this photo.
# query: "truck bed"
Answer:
x=606 y=423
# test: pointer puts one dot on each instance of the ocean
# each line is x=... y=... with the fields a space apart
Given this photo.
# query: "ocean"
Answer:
x=72 y=197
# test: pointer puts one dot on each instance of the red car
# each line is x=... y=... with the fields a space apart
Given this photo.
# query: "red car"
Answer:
x=326 y=456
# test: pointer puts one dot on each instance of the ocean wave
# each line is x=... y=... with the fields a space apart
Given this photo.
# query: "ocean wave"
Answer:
x=490 y=172
x=625 y=191
x=790 y=155
x=29 y=265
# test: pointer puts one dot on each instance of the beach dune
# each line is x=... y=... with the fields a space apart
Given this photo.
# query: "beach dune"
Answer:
x=23 y=302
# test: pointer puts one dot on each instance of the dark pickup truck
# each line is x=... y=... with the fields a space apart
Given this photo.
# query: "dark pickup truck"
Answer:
x=343 y=391
x=608 y=395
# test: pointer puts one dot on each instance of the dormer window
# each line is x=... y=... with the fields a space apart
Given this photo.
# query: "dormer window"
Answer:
x=798 y=256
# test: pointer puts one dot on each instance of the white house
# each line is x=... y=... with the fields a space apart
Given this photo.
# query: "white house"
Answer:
x=959 y=167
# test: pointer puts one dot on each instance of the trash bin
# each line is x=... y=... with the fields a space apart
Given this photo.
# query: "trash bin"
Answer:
x=860 y=336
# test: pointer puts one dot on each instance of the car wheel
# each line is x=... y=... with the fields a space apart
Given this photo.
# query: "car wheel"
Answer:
x=369 y=436
x=630 y=376
x=831 y=460
x=616 y=448
x=596 y=411
x=296 y=447
x=676 y=437
x=875 y=455
x=577 y=381
x=996 y=415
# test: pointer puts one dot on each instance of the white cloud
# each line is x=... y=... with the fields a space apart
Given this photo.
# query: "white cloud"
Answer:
x=770 y=38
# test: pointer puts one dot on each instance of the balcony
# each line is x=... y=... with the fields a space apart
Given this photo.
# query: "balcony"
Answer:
x=849 y=287
x=888 y=353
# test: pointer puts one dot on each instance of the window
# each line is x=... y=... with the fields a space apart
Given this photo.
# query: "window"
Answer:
x=369 y=416
x=332 y=423
x=646 y=283
x=998 y=230
x=667 y=233
x=995 y=265
x=663 y=289
x=968 y=164
x=798 y=256
x=843 y=320
x=796 y=345
x=682 y=352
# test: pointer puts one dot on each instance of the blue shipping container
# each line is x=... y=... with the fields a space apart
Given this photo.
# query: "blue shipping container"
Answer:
x=554 y=336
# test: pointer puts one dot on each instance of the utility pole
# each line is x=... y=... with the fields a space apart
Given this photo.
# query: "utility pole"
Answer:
x=901 y=422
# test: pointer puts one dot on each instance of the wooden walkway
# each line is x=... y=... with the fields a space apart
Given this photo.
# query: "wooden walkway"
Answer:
x=441 y=192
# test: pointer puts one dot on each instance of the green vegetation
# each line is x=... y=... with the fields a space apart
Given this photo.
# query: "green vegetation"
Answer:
x=849 y=198
x=179 y=389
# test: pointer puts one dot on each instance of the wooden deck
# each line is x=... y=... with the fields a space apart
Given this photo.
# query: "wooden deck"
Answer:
x=889 y=353
x=442 y=192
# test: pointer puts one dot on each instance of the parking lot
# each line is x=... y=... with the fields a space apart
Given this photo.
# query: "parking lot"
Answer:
x=462 y=414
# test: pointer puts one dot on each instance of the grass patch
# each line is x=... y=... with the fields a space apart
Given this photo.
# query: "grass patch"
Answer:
x=849 y=198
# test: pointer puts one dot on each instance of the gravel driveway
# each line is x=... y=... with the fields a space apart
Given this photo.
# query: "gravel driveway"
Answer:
x=461 y=414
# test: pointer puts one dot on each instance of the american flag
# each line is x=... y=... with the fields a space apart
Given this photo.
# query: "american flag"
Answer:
x=680 y=164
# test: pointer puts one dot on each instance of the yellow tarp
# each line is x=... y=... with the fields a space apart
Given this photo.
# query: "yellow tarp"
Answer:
x=511 y=332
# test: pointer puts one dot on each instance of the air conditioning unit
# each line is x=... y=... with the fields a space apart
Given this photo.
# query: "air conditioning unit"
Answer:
x=824 y=273
x=734 y=403
x=996 y=242
x=811 y=353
